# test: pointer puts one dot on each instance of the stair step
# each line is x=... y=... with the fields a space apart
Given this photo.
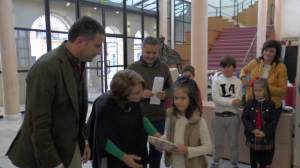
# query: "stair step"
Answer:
x=234 y=47
x=225 y=54
x=233 y=44
x=228 y=51
x=250 y=35
x=240 y=29
x=239 y=32
x=235 y=40
x=217 y=59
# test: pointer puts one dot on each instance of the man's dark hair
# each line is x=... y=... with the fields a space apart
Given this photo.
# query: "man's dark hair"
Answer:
x=150 y=41
x=228 y=61
x=86 y=27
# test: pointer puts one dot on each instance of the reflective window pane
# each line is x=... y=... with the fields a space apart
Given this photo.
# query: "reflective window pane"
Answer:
x=62 y=14
x=92 y=11
x=94 y=84
x=179 y=31
x=179 y=7
x=134 y=50
x=115 y=51
x=134 y=24
x=150 y=6
x=134 y=5
x=58 y=38
x=111 y=71
x=115 y=3
x=187 y=12
x=150 y=26
x=30 y=45
x=34 y=9
x=114 y=20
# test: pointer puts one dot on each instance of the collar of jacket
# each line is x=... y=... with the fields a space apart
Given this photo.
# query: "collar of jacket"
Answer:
x=155 y=64
x=74 y=60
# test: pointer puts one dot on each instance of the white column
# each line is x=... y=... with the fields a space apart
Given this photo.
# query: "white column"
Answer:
x=163 y=19
x=172 y=38
x=1 y=87
x=9 y=61
x=297 y=117
x=261 y=25
x=199 y=44
x=278 y=14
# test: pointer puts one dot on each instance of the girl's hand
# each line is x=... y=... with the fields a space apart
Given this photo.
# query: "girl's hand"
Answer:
x=161 y=95
x=157 y=135
x=256 y=133
x=130 y=161
x=261 y=134
x=181 y=149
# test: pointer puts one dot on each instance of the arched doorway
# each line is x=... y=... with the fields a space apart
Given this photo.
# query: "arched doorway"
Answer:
x=38 y=38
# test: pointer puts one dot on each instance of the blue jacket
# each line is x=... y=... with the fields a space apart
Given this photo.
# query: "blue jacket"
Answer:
x=270 y=117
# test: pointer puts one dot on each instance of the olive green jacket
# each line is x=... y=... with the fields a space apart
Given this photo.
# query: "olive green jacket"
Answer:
x=52 y=125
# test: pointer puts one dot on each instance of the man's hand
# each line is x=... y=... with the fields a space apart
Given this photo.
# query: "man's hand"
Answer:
x=147 y=93
x=130 y=161
x=161 y=95
x=86 y=154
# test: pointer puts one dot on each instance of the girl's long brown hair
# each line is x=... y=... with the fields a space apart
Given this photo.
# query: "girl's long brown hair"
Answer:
x=191 y=88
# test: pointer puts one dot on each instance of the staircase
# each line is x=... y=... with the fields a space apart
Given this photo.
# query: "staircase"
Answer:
x=236 y=42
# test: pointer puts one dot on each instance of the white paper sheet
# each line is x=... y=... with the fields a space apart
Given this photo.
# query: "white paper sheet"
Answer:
x=158 y=84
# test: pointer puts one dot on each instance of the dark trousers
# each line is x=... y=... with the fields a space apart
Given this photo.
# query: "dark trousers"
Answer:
x=155 y=155
x=262 y=157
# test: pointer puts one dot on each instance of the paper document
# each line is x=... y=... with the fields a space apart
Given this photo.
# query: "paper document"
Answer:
x=162 y=144
x=158 y=84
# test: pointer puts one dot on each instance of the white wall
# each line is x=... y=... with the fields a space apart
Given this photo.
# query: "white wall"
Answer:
x=290 y=18
x=1 y=82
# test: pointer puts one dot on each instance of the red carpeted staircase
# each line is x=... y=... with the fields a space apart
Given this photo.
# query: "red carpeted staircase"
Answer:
x=235 y=42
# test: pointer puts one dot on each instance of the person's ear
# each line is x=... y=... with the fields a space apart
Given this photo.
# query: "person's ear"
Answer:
x=79 y=41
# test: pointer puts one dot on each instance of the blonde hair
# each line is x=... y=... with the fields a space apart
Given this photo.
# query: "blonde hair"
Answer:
x=264 y=84
x=122 y=84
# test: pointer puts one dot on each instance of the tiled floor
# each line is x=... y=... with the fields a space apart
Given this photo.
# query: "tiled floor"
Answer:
x=8 y=130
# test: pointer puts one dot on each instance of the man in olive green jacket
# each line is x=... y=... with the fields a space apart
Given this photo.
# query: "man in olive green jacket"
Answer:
x=53 y=131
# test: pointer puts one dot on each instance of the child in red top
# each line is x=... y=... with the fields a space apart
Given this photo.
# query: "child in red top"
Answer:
x=260 y=119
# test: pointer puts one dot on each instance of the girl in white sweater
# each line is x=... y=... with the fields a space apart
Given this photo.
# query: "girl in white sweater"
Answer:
x=186 y=128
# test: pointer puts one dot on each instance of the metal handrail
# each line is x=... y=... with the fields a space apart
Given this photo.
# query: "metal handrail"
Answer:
x=237 y=8
x=249 y=50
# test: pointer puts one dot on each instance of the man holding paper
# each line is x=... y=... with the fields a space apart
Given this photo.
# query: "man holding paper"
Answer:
x=158 y=82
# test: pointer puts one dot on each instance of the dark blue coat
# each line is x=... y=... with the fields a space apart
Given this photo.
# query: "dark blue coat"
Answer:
x=270 y=117
x=122 y=125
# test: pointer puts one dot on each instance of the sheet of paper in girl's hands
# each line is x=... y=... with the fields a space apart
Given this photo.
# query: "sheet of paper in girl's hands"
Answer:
x=162 y=144
x=158 y=84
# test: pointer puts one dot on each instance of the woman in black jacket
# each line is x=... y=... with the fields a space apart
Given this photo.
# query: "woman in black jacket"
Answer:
x=117 y=129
